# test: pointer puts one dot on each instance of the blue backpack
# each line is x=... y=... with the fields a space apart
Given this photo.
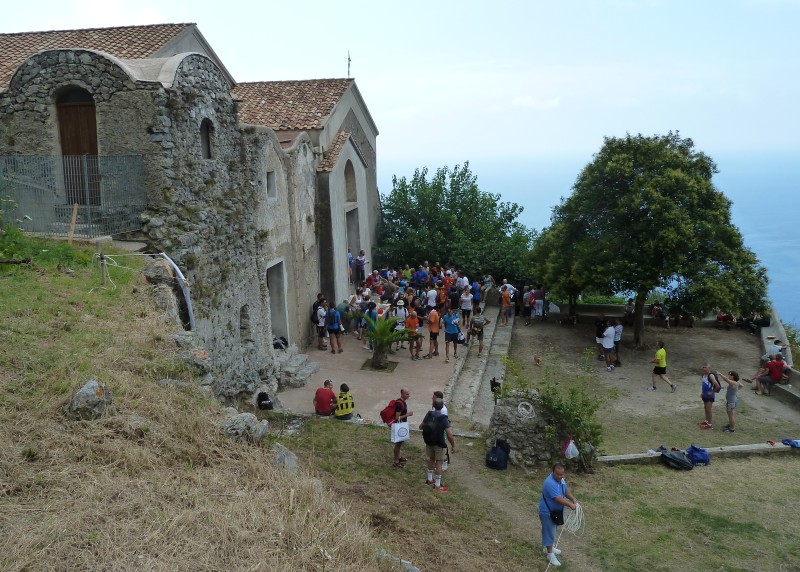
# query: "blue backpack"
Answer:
x=497 y=456
x=697 y=455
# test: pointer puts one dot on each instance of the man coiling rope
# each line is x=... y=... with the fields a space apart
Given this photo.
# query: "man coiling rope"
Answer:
x=557 y=507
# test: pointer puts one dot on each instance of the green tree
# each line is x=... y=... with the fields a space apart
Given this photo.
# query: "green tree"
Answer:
x=645 y=214
x=448 y=218
x=383 y=334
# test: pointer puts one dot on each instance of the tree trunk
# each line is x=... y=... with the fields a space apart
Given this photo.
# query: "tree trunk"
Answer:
x=573 y=305
x=380 y=359
x=638 y=319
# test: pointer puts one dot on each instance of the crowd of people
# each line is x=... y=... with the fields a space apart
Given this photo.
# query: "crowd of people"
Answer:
x=434 y=299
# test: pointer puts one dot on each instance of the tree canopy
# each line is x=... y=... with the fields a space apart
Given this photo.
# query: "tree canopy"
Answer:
x=645 y=214
x=447 y=218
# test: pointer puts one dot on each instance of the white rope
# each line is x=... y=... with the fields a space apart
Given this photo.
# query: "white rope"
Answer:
x=574 y=522
x=525 y=411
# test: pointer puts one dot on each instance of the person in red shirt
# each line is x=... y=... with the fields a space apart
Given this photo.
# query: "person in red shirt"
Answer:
x=325 y=399
x=772 y=373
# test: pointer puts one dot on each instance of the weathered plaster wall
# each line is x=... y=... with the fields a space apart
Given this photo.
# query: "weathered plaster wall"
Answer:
x=338 y=218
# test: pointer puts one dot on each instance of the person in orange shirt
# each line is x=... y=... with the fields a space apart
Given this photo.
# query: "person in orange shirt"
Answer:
x=415 y=343
x=508 y=307
x=433 y=331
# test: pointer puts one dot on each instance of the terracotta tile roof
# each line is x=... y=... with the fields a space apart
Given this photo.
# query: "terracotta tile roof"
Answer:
x=289 y=105
x=331 y=155
x=125 y=42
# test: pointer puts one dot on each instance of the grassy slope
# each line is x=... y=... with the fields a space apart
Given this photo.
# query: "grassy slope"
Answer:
x=170 y=494
x=173 y=495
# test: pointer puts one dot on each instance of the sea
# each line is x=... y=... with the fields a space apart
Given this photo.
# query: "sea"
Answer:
x=764 y=190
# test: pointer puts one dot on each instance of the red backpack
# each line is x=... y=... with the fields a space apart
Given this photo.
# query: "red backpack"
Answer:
x=388 y=413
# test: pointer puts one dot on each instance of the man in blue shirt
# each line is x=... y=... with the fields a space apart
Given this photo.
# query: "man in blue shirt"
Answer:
x=555 y=497
x=451 y=331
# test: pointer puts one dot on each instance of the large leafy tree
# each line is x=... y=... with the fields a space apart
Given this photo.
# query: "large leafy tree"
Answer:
x=446 y=217
x=645 y=214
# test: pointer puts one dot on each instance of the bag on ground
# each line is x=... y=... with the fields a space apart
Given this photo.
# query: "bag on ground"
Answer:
x=698 y=455
x=497 y=456
x=677 y=460
x=400 y=432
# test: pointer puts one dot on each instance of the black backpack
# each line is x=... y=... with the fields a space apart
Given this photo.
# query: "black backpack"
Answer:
x=718 y=387
x=677 y=460
x=432 y=432
x=497 y=456
x=263 y=401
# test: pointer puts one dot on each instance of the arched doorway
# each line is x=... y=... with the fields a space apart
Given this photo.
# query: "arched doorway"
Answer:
x=77 y=130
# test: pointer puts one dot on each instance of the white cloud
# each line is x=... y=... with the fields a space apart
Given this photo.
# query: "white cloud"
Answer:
x=534 y=103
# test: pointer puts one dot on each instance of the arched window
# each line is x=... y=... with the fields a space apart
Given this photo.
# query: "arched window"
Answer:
x=206 y=134
x=351 y=194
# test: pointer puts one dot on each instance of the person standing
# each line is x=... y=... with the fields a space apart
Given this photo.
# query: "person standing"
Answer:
x=345 y=406
x=322 y=311
x=710 y=385
x=466 y=306
x=435 y=426
x=538 y=305
x=479 y=322
x=617 y=340
x=608 y=345
x=660 y=369
x=555 y=496
x=433 y=333
x=415 y=341
x=333 y=323
x=506 y=306
x=361 y=264
x=450 y=334
x=401 y=413
x=731 y=399
x=324 y=399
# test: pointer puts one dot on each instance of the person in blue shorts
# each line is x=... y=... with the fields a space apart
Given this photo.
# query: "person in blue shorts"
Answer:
x=555 y=496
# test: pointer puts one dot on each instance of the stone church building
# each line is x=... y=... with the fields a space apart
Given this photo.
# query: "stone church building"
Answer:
x=255 y=190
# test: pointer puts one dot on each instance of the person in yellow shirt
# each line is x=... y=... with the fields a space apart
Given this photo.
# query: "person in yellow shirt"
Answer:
x=660 y=369
x=345 y=406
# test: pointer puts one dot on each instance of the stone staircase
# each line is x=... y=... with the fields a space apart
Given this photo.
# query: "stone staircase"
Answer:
x=468 y=393
x=292 y=368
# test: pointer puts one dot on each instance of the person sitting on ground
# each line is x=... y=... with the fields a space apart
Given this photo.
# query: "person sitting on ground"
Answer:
x=344 y=404
x=325 y=399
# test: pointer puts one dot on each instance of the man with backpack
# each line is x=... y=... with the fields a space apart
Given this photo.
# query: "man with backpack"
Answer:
x=710 y=385
x=333 y=323
x=435 y=426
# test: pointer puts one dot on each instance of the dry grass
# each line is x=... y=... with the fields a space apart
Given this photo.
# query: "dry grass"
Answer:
x=170 y=494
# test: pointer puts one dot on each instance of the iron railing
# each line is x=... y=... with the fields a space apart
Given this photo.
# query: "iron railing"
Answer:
x=40 y=193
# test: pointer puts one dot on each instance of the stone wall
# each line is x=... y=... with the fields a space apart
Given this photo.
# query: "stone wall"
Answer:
x=210 y=215
x=530 y=445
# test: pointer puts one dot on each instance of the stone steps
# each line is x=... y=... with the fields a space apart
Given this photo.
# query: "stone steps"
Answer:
x=293 y=368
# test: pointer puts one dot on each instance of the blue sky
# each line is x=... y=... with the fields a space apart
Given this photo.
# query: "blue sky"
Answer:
x=525 y=90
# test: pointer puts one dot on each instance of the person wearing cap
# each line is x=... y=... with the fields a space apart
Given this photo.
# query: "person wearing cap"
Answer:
x=435 y=427
x=401 y=313
x=325 y=399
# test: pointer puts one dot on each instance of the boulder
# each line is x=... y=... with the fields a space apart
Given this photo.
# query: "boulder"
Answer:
x=245 y=427
x=285 y=458
x=91 y=401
